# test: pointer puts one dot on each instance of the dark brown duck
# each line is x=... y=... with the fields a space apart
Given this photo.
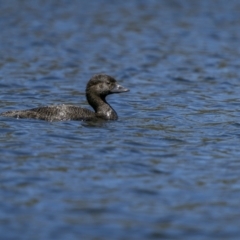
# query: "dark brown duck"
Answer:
x=98 y=88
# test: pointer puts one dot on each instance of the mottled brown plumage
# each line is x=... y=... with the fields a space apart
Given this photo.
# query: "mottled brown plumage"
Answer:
x=98 y=87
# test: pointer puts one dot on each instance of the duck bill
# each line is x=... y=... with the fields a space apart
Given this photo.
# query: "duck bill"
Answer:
x=119 y=89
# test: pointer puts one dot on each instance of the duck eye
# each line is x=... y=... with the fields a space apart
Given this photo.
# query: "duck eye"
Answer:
x=108 y=83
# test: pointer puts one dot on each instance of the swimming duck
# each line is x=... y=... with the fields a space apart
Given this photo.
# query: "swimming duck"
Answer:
x=98 y=87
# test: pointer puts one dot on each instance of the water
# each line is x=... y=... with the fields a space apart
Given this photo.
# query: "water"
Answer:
x=169 y=167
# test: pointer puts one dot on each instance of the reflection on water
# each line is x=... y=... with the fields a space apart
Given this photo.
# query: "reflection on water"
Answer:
x=169 y=167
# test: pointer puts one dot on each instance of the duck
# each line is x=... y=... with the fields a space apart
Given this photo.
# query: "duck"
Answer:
x=97 y=89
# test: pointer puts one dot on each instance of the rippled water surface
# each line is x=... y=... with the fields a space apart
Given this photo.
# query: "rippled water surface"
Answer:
x=169 y=167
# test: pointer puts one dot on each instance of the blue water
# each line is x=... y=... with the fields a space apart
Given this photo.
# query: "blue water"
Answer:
x=169 y=167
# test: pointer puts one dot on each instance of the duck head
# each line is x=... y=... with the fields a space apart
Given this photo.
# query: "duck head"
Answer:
x=103 y=85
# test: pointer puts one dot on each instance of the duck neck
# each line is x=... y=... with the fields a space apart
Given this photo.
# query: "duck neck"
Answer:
x=101 y=107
